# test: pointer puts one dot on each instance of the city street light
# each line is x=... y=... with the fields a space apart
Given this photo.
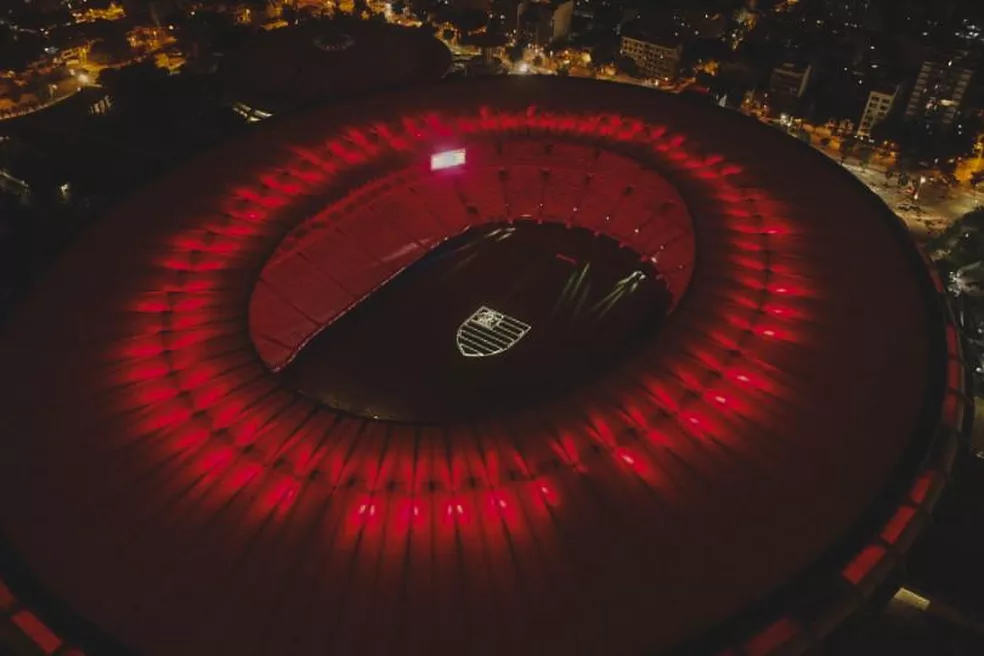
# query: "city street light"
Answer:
x=915 y=193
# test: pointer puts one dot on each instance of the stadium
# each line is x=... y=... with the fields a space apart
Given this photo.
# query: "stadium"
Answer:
x=504 y=366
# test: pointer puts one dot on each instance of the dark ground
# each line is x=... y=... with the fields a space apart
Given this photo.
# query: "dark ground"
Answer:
x=395 y=355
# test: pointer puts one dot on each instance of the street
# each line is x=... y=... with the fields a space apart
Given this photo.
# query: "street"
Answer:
x=935 y=209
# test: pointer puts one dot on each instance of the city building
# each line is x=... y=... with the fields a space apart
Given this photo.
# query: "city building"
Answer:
x=656 y=56
x=939 y=91
x=544 y=22
x=788 y=82
x=72 y=48
x=98 y=10
x=879 y=104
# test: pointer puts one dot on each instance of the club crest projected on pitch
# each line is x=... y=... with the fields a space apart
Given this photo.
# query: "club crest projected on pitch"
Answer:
x=489 y=332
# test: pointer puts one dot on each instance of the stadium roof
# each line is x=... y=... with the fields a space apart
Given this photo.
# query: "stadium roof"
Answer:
x=745 y=480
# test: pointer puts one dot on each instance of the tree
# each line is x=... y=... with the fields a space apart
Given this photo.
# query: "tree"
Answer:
x=18 y=51
x=114 y=50
x=628 y=66
x=604 y=53
x=847 y=147
x=865 y=153
x=424 y=8
x=215 y=31
x=886 y=129
x=705 y=79
x=467 y=21
x=948 y=168
x=976 y=180
x=732 y=81
x=40 y=88
x=967 y=132
x=258 y=10
x=516 y=52
x=963 y=242
x=927 y=143
x=136 y=89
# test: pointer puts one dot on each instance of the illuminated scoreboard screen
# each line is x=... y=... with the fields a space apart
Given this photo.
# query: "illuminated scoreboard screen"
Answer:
x=448 y=159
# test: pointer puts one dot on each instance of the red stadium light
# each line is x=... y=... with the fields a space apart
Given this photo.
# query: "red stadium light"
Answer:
x=447 y=159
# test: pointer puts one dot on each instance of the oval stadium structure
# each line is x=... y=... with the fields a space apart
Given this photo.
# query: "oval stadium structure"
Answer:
x=506 y=366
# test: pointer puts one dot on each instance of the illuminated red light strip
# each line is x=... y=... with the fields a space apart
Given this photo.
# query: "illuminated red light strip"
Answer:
x=7 y=600
x=37 y=631
x=762 y=331
x=31 y=626
x=863 y=563
x=898 y=523
x=772 y=638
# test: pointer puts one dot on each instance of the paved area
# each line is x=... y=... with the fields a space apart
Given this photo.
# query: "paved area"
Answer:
x=927 y=214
